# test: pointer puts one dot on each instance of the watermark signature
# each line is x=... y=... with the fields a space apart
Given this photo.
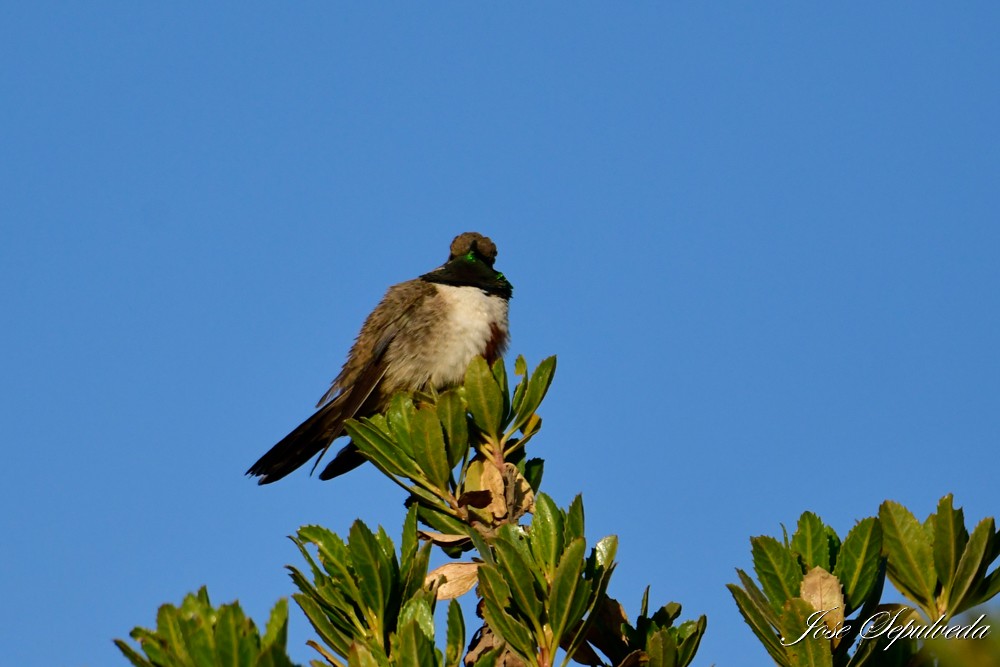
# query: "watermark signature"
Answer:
x=885 y=623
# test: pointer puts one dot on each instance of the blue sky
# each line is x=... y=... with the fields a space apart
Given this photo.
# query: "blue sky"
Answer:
x=762 y=239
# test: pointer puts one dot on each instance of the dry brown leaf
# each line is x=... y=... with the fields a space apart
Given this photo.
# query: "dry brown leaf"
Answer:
x=453 y=579
x=442 y=538
x=520 y=499
x=492 y=481
x=823 y=591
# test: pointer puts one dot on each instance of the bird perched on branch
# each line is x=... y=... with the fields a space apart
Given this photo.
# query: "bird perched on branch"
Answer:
x=421 y=336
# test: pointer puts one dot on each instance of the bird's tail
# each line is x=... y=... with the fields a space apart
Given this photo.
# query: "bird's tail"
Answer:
x=308 y=439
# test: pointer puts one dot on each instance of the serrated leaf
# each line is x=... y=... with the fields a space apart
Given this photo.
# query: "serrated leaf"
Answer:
x=331 y=635
x=950 y=538
x=822 y=590
x=520 y=578
x=909 y=557
x=691 y=633
x=565 y=582
x=168 y=626
x=661 y=649
x=971 y=568
x=605 y=551
x=500 y=375
x=455 y=636
x=276 y=630
x=574 y=524
x=227 y=640
x=811 y=542
x=428 y=448
x=858 y=562
x=533 y=471
x=380 y=450
x=492 y=585
x=399 y=418
x=417 y=610
x=496 y=596
x=408 y=541
x=374 y=578
x=537 y=386
x=360 y=655
x=134 y=657
x=415 y=577
x=757 y=597
x=760 y=626
x=777 y=572
x=483 y=396
x=450 y=410
x=808 y=651
x=547 y=533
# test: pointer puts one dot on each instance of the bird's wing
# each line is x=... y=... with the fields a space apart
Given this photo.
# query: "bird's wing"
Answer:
x=354 y=391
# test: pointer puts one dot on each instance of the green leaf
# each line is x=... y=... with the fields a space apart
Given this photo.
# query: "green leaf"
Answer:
x=521 y=369
x=373 y=574
x=779 y=574
x=950 y=538
x=833 y=544
x=400 y=421
x=276 y=631
x=413 y=648
x=337 y=638
x=451 y=411
x=909 y=557
x=383 y=452
x=546 y=533
x=168 y=626
x=809 y=652
x=605 y=551
x=227 y=639
x=971 y=568
x=135 y=658
x=483 y=396
x=661 y=649
x=574 y=520
x=537 y=386
x=811 y=542
x=691 y=633
x=753 y=615
x=565 y=584
x=413 y=581
x=441 y=522
x=418 y=610
x=408 y=541
x=456 y=636
x=334 y=555
x=858 y=562
x=520 y=578
x=496 y=596
x=500 y=375
x=533 y=469
x=428 y=448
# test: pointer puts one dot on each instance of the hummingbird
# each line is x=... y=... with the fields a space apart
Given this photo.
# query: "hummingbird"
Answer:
x=420 y=337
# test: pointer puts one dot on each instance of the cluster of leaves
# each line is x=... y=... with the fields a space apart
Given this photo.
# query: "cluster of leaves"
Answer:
x=812 y=584
x=539 y=591
x=440 y=447
x=460 y=455
x=199 y=635
x=938 y=564
x=369 y=606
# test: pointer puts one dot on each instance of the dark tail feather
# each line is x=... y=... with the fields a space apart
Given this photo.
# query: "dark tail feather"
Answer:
x=308 y=439
x=346 y=460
